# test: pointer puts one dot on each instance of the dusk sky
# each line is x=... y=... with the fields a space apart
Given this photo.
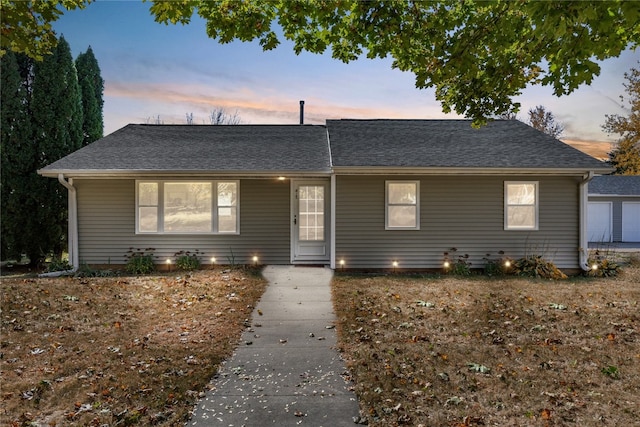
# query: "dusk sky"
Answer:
x=152 y=70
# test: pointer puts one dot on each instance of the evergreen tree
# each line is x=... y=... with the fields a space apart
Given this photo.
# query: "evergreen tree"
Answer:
x=626 y=156
x=92 y=88
x=17 y=155
x=57 y=121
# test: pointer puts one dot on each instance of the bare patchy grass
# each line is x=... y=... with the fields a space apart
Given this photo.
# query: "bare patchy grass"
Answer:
x=448 y=351
x=117 y=351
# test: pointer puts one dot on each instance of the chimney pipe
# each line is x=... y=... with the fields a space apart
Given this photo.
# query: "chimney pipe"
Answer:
x=301 y=112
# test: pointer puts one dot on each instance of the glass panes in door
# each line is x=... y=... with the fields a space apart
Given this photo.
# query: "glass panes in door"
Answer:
x=311 y=212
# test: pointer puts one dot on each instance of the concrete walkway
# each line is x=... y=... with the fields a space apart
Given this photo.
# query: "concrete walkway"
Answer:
x=286 y=370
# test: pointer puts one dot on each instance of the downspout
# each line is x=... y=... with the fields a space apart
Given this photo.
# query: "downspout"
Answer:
x=332 y=256
x=584 y=238
x=332 y=259
x=73 y=229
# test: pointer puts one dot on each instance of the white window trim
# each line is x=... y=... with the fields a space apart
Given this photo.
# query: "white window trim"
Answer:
x=214 y=208
x=536 y=224
x=386 y=204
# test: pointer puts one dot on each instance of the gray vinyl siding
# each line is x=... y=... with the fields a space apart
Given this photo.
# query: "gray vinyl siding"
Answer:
x=616 y=204
x=106 y=225
x=463 y=212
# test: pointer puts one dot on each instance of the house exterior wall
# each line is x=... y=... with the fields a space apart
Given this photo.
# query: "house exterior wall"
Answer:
x=463 y=212
x=106 y=225
x=616 y=214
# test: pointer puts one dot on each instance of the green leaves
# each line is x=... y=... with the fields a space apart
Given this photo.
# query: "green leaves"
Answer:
x=611 y=371
x=41 y=122
x=91 y=88
x=26 y=25
x=175 y=12
x=477 y=56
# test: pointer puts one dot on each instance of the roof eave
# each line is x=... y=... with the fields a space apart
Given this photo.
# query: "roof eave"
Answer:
x=341 y=170
x=131 y=173
x=385 y=170
x=605 y=195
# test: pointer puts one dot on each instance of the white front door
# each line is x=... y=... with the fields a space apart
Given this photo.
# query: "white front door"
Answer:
x=310 y=222
x=599 y=218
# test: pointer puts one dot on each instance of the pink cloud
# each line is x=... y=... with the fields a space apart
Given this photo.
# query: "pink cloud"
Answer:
x=171 y=102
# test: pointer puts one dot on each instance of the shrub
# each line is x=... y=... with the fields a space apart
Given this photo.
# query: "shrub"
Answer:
x=86 y=271
x=187 y=260
x=497 y=266
x=537 y=266
x=600 y=265
x=140 y=261
x=458 y=265
x=58 y=264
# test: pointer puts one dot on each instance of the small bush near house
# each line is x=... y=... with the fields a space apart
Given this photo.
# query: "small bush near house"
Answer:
x=602 y=265
x=497 y=266
x=140 y=261
x=58 y=264
x=537 y=266
x=86 y=271
x=458 y=265
x=188 y=261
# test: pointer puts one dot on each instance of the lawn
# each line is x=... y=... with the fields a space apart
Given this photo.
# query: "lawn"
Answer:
x=432 y=351
x=120 y=350
x=450 y=351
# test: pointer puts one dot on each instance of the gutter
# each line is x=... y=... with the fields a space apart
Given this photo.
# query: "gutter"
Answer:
x=72 y=239
x=384 y=170
x=184 y=173
x=584 y=238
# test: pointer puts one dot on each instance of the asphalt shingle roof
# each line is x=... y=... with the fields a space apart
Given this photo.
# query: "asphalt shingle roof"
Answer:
x=618 y=185
x=502 y=144
x=449 y=144
x=255 y=148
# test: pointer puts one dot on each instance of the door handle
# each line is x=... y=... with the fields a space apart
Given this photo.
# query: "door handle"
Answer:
x=295 y=219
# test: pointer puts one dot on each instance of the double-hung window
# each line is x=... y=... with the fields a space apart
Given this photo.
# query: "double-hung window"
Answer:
x=521 y=205
x=187 y=207
x=402 y=205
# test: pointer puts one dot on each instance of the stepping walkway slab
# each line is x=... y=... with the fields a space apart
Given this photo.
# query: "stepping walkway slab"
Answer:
x=286 y=370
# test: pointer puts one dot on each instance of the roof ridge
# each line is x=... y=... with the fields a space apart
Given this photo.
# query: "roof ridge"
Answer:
x=194 y=125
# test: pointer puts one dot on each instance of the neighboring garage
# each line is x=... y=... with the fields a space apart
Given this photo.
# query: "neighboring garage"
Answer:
x=614 y=209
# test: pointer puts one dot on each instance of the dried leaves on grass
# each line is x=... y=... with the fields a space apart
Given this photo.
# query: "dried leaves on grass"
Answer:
x=117 y=351
x=478 y=351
